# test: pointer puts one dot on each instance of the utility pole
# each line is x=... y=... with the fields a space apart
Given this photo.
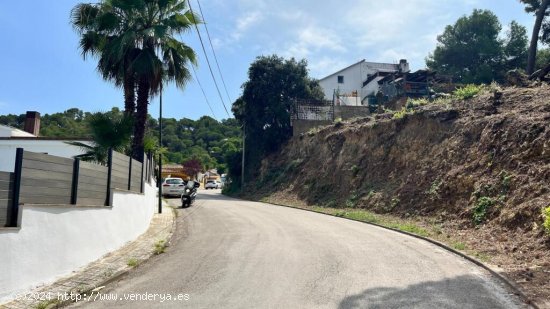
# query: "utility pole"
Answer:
x=242 y=164
x=160 y=155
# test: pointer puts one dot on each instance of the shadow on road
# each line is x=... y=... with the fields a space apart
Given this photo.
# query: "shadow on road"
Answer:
x=459 y=292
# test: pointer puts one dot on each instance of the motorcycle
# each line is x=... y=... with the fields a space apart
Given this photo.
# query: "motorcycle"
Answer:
x=189 y=194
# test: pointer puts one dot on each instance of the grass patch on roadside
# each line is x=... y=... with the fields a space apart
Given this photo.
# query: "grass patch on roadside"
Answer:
x=370 y=217
x=46 y=304
x=160 y=247
x=132 y=262
x=459 y=246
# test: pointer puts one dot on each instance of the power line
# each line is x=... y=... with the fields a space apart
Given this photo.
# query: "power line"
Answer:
x=213 y=52
x=208 y=61
x=203 y=93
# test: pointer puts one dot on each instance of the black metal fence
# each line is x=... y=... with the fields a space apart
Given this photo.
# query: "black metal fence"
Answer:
x=44 y=179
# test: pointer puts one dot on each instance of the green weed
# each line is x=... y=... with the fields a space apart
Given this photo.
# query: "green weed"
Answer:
x=402 y=113
x=410 y=228
x=46 y=304
x=546 y=215
x=351 y=202
x=433 y=192
x=354 y=170
x=160 y=247
x=467 y=92
x=411 y=103
x=459 y=246
x=132 y=262
x=484 y=203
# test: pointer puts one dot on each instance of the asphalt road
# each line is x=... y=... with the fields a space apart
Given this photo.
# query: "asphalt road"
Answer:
x=229 y=253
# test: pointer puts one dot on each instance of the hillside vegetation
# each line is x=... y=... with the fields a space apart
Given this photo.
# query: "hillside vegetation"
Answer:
x=477 y=168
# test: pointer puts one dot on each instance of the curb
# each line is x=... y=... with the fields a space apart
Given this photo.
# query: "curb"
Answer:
x=94 y=288
x=122 y=273
x=512 y=285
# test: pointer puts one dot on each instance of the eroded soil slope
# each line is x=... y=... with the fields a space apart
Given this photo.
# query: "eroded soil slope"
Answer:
x=479 y=167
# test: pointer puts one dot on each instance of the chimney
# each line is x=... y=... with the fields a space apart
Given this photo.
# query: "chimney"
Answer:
x=403 y=65
x=32 y=123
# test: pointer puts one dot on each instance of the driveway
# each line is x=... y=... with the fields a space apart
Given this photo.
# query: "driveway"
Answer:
x=229 y=253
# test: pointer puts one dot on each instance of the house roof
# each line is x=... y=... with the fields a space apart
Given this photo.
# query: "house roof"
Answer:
x=13 y=132
x=343 y=69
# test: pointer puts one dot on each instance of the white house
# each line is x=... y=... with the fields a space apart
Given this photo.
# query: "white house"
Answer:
x=13 y=138
x=353 y=84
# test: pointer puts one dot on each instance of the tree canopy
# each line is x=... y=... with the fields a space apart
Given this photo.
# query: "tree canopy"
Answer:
x=136 y=46
x=206 y=140
x=273 y=85
x=540 y=9
x=472 y=52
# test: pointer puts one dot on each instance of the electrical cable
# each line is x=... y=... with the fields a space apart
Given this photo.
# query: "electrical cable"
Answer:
x=208 y=61
x=213 y=52
x=203 y=93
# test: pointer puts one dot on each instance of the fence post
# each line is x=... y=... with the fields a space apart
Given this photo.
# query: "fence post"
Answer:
x=130 y=175
x=74 y=187
x=151 y=168
x=143 y=164
x=109 y=171
x=13 y=215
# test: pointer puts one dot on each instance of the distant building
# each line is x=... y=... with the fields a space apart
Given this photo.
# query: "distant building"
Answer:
x=356 y=83
x=29 y=139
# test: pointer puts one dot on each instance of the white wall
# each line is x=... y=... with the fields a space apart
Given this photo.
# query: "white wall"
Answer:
x=51 y=147
x=55 y=240
x=354 y=76
x=352 y=81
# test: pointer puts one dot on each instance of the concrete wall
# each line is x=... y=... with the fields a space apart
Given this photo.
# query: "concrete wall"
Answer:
x=354 y=76
x=302 y=126
x=348 y=112
x=352 y=81
x=52 y=147
x=55 y=240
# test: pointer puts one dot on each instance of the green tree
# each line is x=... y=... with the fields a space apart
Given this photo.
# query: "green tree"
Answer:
x=543 y=58
x=540 y=9
x=471 y=51
x=108 y=131
x=102 y=34
x=264 y=108
x=136 y=40
x=516 y=47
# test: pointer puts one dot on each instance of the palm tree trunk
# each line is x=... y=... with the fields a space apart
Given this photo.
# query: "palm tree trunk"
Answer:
x=531 y=58
x=129 y=94
x=140 y=118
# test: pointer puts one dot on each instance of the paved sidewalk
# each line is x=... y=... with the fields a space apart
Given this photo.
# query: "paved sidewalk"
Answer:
x=107 y=269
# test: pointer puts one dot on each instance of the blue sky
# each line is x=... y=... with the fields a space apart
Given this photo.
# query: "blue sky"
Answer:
x=42 y=68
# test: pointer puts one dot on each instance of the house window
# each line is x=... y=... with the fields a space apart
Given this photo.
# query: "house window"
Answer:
x=340 y=79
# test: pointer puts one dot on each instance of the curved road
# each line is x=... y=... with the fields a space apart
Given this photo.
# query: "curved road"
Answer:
x=228 y=253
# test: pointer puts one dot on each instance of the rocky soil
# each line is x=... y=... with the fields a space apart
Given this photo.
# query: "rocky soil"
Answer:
x=477 y=168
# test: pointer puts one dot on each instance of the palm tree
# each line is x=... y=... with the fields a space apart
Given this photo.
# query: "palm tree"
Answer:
x=108 y=130
x=99 y=28
x=136 y=46
x=162 y=58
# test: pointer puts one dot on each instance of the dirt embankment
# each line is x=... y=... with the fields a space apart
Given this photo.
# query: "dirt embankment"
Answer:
x=479 y=168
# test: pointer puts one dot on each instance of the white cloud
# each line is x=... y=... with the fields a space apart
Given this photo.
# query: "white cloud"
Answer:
x=245 y=22
x=334 y=34
x=324 y=66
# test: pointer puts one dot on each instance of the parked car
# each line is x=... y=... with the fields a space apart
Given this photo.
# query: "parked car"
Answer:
x=211 y=184
x=173 y=187
x=220 y=184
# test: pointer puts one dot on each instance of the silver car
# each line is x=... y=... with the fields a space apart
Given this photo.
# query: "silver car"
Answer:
x=173 y=187
x=211 y=184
